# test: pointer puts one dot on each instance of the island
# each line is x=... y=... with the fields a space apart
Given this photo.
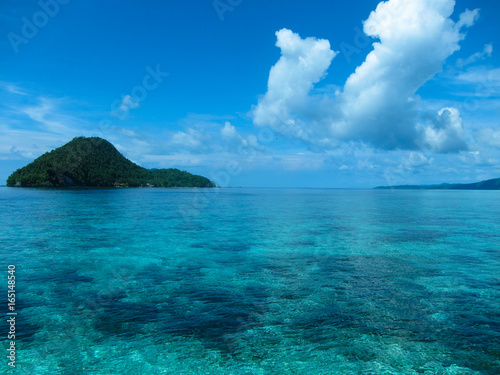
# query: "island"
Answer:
x=95 y=162
x=493 y=184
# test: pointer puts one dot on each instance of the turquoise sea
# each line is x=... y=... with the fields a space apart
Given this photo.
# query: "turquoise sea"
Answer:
x=252 y=281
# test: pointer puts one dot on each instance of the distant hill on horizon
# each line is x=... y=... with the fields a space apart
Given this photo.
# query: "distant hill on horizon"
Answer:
x=493 y=184
x=95 y=162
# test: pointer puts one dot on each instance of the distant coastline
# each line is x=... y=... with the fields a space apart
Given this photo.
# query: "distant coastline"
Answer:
x=493 y=184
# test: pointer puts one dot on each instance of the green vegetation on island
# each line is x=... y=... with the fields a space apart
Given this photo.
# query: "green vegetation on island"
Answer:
x=493 y=184
x=94 y=162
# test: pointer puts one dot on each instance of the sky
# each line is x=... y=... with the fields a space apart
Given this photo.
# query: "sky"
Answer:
x=261 y=93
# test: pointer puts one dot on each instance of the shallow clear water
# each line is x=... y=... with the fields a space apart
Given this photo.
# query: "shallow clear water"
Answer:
x=253 y=281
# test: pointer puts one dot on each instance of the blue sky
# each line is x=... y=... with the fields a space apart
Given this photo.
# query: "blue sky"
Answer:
x=259 y=93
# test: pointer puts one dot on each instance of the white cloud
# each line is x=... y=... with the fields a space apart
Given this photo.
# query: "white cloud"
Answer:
x=232 y=137
x=301 y=162
x=31 y=125
x=468 y=18
x=25 y=144
x=416 y=160
x=303 y=63
x=49 y=117
x=127 y=103
x=486 y=81
x=446 y=133
x=490 y=137
x=407 y=167
x=228 y=132
x=206 y=140
x=378 y=104
x=486 y=52
x=178 y=159
x=195 y=140
x=478 y=159
x=379 y=98
x=12 y=88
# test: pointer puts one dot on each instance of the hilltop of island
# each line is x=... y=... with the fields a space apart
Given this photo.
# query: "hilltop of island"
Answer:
x=95 y=162
x=493 y=184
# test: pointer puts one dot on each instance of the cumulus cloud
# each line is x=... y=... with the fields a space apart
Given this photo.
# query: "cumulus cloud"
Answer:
x=303 y=63
x=446 y=133
x=233 y=138
x=416 y=37
x=378 y=103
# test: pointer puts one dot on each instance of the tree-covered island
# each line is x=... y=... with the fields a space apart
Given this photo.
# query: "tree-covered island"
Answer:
x=95 y=162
